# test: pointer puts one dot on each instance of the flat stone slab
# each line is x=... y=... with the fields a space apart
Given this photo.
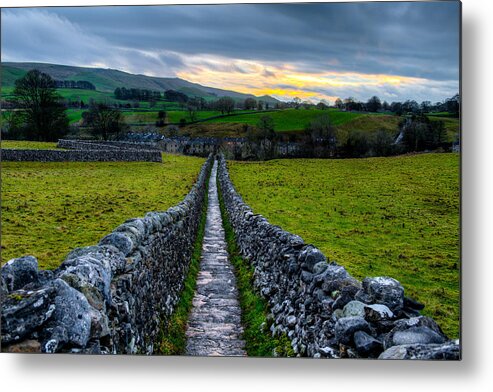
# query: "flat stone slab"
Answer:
x=214 y=325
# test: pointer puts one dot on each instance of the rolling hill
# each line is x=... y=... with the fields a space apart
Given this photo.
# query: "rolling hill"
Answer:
x=106 y=80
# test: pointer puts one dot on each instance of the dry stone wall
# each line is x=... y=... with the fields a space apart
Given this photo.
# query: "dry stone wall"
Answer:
x=108 y=298
x=105 y=145
x=323 y=310
x=82 y=155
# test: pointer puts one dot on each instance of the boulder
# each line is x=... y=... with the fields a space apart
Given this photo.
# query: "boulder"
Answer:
x=377 y=312
x=366 y=345
x=120 y=241
x=19 y=272
x=90 y=271
x=309 y=257
x=330 y=284
x=346 y=295
x=447 y=351
x=413 y=331
x=347 y=326
x=415 y=335
x=354 y=308
x=320 y=267
x=25 y=311
x=386 y=291
x=290 y=321
x=70 y=323
x=108 y=256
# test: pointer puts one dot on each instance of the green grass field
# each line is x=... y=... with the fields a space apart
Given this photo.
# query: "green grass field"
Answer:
x=50 y=208
x=28 y=145
x=371 y=123
x=395 y=216
x=74 y=115
x=290 y=119
x=175 y=116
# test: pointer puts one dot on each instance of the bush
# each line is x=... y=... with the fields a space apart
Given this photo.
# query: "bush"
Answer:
x=382 y=144
x=356 y=145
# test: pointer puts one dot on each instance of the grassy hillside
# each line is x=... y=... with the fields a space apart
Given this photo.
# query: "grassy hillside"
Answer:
x=50 y=208
x=394 y=216
x=10 y=75
x=297 y=120
x=290 y=119
x=371 y=123
x=106 y=80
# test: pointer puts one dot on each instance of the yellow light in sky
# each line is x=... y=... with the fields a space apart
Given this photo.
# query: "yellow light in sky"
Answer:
x=283 y=81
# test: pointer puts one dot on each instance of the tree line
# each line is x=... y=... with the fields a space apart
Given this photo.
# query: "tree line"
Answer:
x=374 y=104
x=192 y=104
x=136 y=94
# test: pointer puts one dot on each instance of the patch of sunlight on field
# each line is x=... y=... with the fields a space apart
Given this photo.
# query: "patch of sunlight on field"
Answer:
x=396 y=216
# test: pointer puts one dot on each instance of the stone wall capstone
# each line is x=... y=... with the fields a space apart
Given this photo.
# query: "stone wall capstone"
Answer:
x=108 y=298
x=322 y=309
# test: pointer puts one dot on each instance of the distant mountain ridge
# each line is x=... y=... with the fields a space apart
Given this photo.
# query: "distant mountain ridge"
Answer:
x=107 y=79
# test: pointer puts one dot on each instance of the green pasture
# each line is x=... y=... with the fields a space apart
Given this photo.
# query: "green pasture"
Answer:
x=50 y=208
x=290 y=119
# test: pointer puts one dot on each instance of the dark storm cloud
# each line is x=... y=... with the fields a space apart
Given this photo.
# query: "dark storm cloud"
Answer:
x=406 y=39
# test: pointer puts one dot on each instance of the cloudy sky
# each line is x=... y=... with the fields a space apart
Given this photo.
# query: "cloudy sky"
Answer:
x=397 y=51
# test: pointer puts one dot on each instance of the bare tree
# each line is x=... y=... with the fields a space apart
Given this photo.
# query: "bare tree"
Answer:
x=192 y=112
x=250 y=104
x=322 y=136
x=104 y=121
x=226 y=105
x=42 y=114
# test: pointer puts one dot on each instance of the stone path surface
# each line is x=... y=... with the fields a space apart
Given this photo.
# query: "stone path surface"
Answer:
x=214 y=327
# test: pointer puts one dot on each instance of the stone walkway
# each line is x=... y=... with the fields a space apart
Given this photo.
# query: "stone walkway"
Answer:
x=214 y=327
